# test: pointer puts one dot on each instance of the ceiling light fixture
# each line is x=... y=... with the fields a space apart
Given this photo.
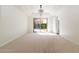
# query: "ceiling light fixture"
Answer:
x=41 y=11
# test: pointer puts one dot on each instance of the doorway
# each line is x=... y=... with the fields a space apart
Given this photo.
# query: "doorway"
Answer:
x=40 y=25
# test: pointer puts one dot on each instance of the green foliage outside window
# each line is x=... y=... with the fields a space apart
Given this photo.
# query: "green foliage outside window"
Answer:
x=43 y=26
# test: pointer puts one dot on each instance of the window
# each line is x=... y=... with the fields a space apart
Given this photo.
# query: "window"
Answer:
x=40 y=25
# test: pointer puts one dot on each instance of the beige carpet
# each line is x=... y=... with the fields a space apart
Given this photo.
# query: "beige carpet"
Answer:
x=40 y=43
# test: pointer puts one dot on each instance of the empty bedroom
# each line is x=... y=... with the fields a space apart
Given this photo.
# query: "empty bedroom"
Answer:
x=39 y=28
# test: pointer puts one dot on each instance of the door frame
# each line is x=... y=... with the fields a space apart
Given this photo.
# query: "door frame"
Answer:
x=40 y=22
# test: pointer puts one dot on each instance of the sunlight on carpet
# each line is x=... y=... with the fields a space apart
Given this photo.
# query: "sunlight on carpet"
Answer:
x=46 y=34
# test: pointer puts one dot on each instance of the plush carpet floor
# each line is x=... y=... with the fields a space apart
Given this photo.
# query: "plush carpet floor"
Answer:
x=40 y=43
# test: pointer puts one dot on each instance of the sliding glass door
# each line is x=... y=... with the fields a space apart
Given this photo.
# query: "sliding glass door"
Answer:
x=40 y=25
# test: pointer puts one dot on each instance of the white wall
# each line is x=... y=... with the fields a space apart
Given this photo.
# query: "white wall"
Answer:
x=69 y=23
x=13 y=24
x=0 y=22
x=30 y=24
x=55 y=24
x=50 y=24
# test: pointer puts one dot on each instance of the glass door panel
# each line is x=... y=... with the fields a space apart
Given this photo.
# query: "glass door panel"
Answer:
x=43 y=25
x=40 y=25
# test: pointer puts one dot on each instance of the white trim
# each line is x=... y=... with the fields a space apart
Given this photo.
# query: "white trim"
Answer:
x=10 y=40
x=71 y=40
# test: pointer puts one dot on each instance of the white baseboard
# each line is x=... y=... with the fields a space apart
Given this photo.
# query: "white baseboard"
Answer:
x=74 y=42
x=71 y=41
x=10 y=40
x=6 y=42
